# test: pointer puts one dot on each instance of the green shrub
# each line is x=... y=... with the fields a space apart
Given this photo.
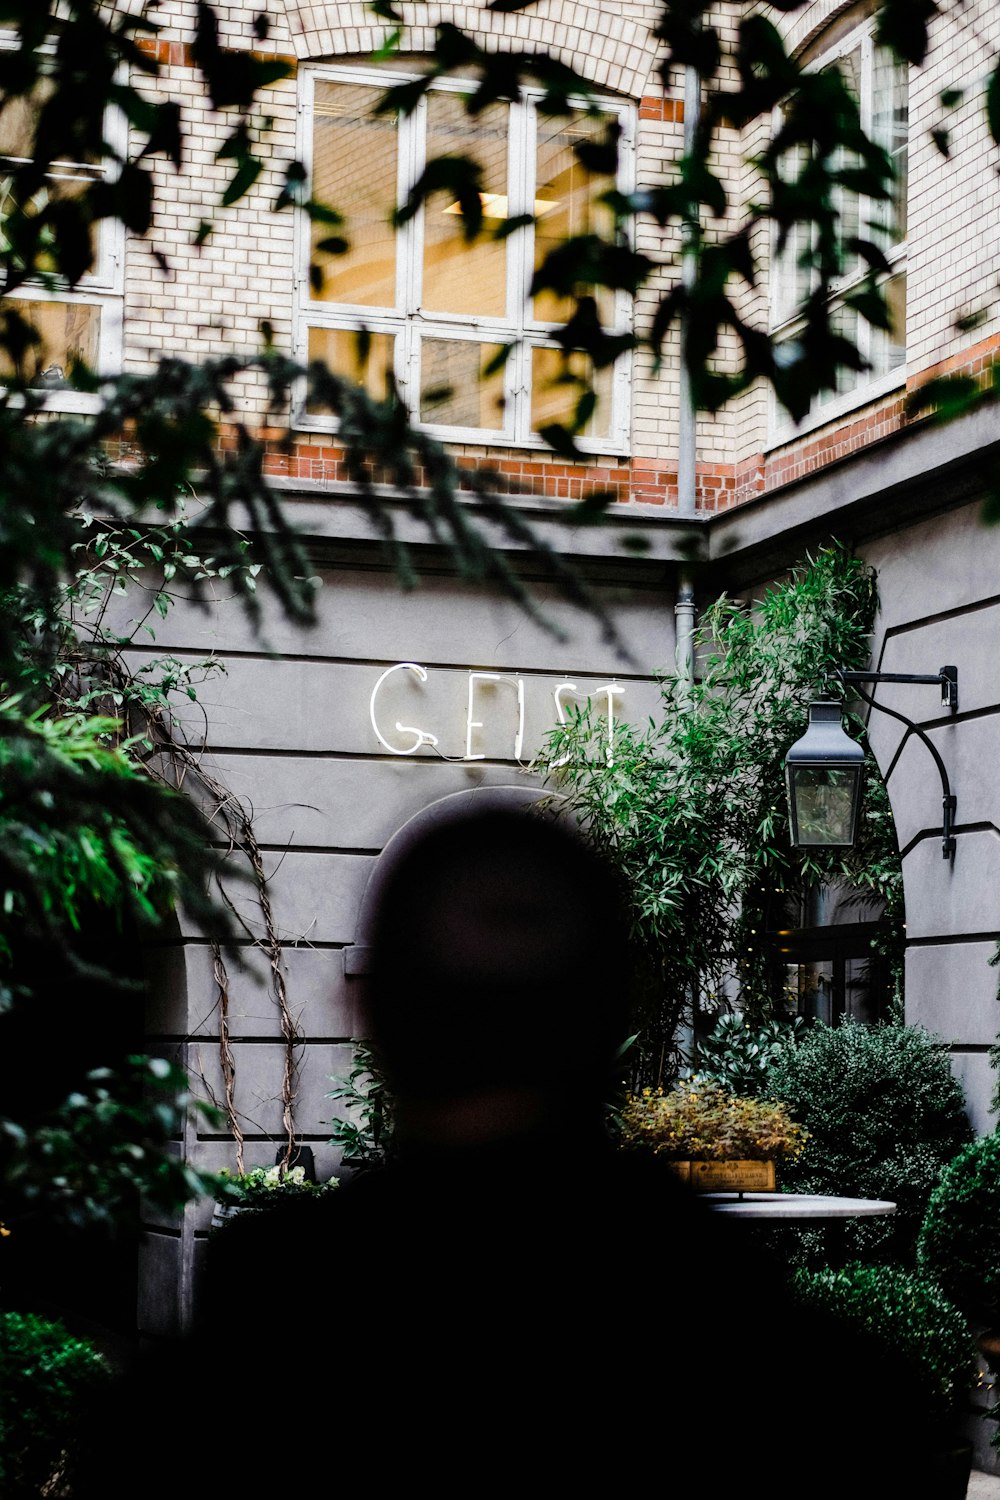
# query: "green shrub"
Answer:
x=906 y=1321
x=885 y=1115
x=266 y=1187
x=49 y=1380
x=959 y=1242
x=739 y=1054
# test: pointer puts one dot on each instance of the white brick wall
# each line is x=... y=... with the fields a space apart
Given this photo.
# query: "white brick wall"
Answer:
x=954 y=259
x=213 y=300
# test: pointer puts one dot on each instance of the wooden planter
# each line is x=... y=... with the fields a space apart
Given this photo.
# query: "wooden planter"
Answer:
x=726 y=1176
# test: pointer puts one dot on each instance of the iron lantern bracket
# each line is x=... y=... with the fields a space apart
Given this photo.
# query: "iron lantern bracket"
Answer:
x=947 y=679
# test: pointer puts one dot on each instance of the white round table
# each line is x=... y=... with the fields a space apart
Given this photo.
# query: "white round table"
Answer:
x=794 y=1208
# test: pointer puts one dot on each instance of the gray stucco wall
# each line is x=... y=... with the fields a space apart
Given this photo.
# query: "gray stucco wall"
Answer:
x=287 y=728
x=912 y=506
x=939 y=587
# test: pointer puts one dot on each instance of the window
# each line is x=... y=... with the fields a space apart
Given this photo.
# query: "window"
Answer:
x=473 y=355
x=82 y=323
x=879 y=84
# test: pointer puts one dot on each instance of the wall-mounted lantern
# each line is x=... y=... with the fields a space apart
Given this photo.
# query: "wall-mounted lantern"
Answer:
x=823 y=768
x=823 y=780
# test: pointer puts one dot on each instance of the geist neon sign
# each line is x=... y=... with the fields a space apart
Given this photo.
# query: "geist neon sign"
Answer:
x=411 y=738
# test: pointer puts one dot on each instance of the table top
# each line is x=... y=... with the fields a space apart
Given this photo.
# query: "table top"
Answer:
x=795 y=1206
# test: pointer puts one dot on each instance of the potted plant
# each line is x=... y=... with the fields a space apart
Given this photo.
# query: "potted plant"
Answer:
x=713 y=1139
x=262 y=1188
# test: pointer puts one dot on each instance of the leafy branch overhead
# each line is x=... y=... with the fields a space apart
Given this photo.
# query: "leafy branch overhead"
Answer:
x=818 y=157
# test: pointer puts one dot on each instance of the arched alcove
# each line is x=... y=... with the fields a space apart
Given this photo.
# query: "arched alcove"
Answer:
x=444 y=810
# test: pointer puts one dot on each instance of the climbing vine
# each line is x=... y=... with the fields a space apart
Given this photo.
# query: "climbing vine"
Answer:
x=79 y=698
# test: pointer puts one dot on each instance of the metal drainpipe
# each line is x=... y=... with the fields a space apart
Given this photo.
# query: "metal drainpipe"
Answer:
x=687 y=437
x=687 y=416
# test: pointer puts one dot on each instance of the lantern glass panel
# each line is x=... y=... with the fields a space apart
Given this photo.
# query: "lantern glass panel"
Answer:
x=824 y=804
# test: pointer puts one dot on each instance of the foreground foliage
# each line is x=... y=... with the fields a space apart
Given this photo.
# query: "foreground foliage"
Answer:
x=911 y=1327
x=110 y=1140
x=51 y=1383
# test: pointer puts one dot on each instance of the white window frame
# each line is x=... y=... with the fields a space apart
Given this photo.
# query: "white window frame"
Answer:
x=101 y=287
x=869 y=387
x=409 y=323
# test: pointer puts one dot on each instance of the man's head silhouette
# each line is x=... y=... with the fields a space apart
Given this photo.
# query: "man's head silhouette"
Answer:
x=499 y=974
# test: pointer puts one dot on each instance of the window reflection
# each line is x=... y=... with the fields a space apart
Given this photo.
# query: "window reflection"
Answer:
x=568 y=197
x=69 y=334
x=459 y=276
x=354 y=169
x=455 y=388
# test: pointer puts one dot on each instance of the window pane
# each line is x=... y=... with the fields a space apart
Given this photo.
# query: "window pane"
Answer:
x=848 y=203
x=861 y=990
x=557 y=383
x=17 y=127
x=454 y=389
x=890 y=127
x=566 y=204
x=844 y=320
x=18 y=120
x=463 y=277
x=69 y=334
x=793 y=279
x=354 y=171
x=889 y=348
x=367 y=360
x=816 y=991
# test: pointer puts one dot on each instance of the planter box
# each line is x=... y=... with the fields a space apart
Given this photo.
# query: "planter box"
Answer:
x=224 y=1213
x=726 y=1176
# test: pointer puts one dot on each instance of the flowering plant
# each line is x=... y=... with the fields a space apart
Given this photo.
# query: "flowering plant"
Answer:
x=699 y=1121
x=258 y=1187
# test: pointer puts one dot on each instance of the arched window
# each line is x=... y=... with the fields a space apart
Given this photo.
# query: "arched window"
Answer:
x=471 y=350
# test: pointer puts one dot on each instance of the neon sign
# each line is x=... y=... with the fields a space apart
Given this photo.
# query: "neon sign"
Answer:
x=407 y=739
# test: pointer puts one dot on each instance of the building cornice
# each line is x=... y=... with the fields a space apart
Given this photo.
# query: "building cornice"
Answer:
x=928 y=468
x=922 y=470
x=643 y=533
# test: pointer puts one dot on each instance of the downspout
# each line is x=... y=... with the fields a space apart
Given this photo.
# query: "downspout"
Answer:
x=687 y=416
x=687 y=453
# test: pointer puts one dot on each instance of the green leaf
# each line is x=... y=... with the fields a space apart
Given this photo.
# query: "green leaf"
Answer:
x=993 y=103
x=243 y=180
x=560 y=439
